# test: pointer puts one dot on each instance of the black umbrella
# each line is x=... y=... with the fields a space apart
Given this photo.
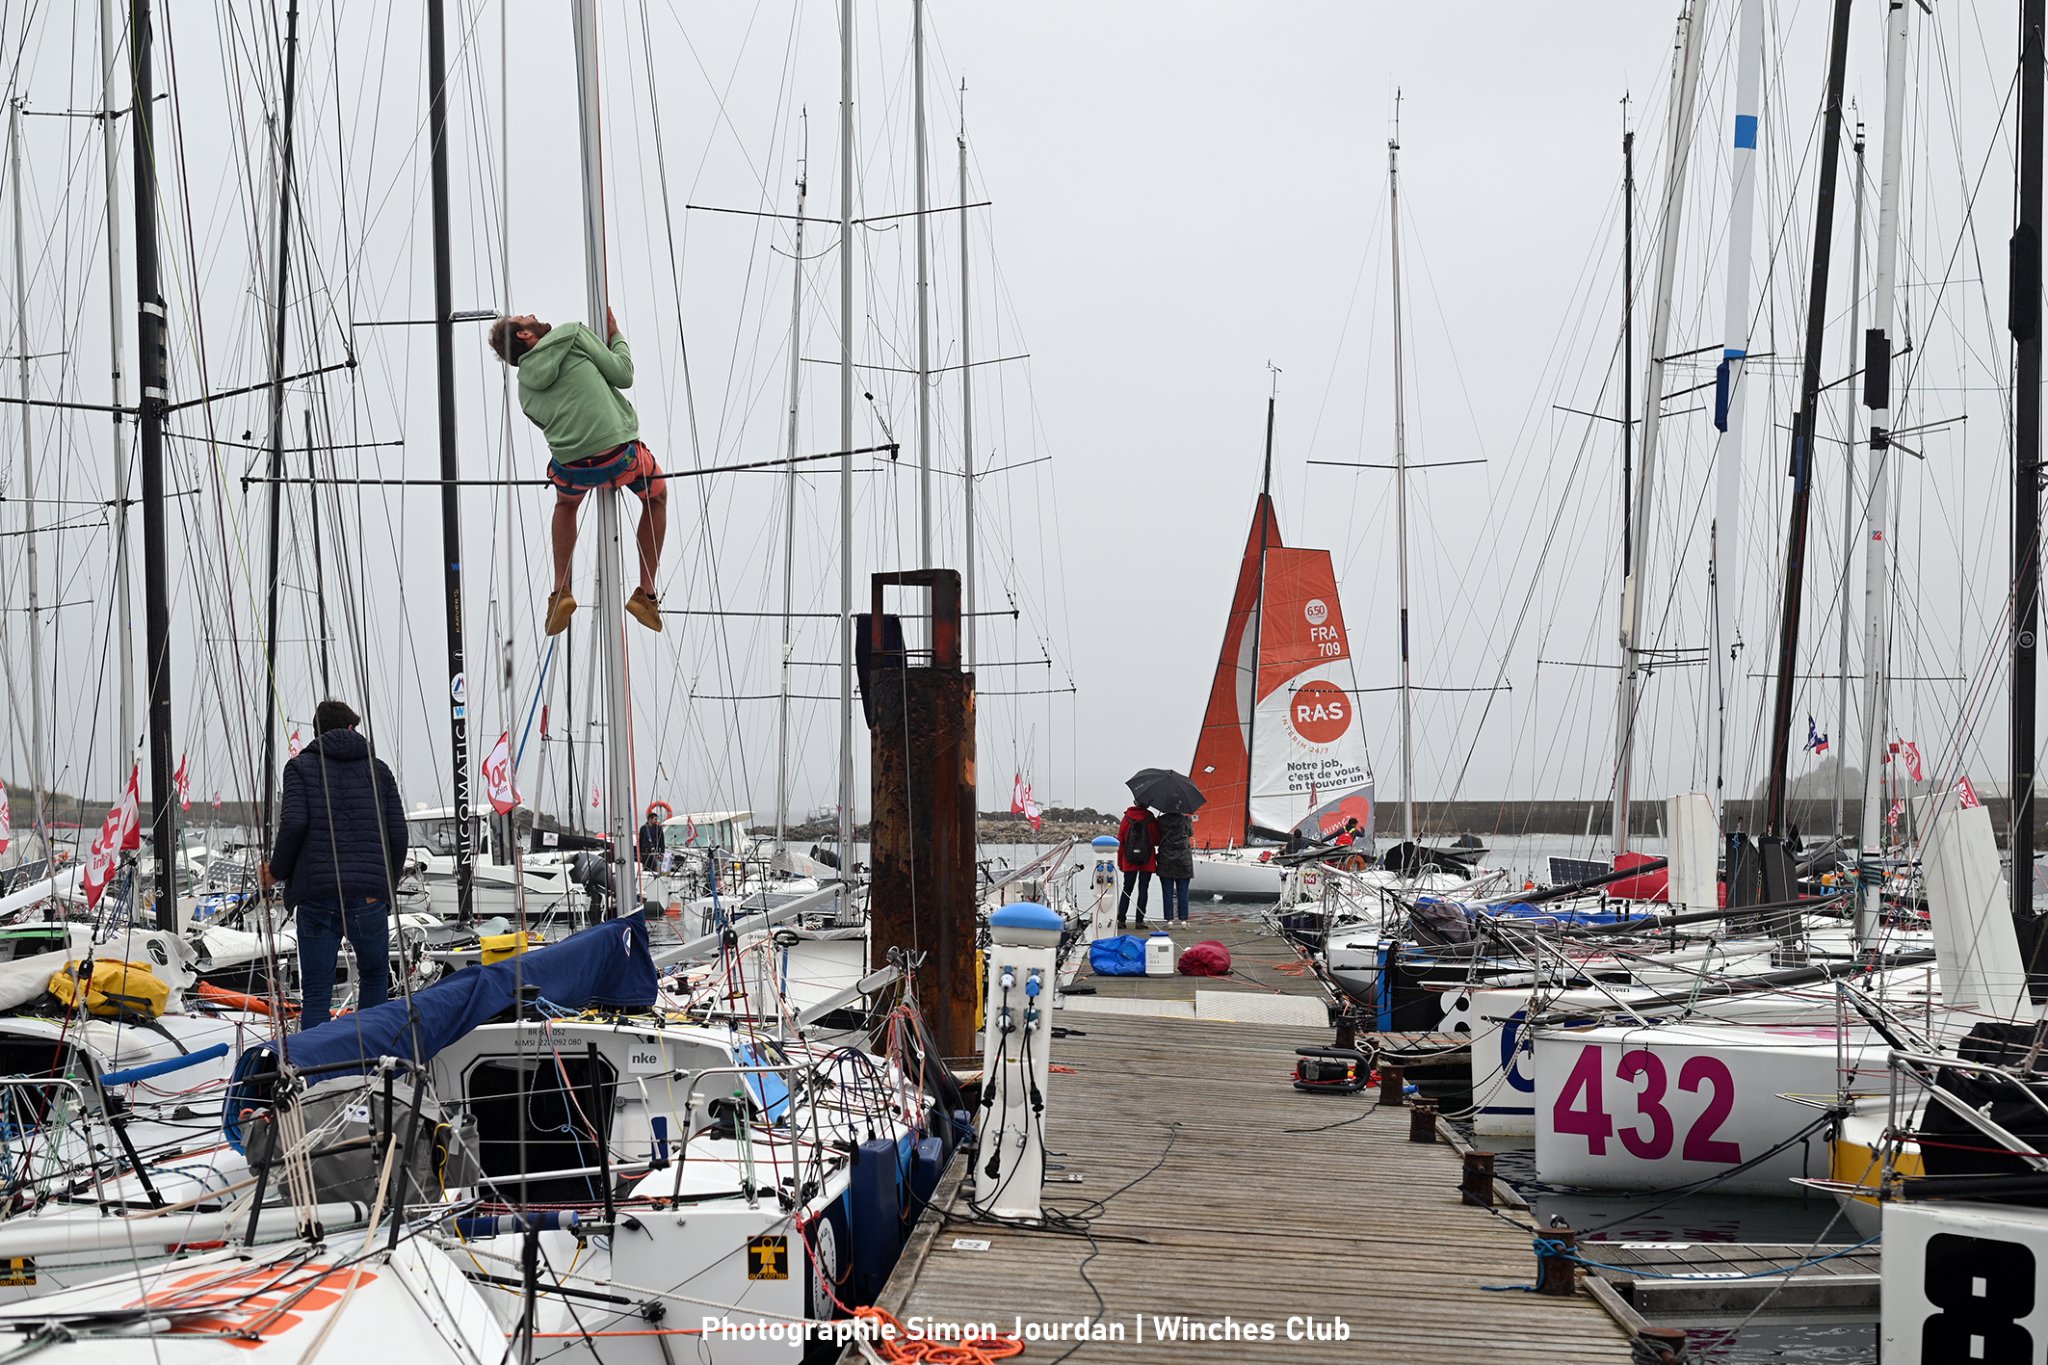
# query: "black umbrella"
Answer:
x=1166 y=791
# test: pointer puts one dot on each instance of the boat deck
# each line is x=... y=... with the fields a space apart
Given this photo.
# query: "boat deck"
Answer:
x=1222 y=1198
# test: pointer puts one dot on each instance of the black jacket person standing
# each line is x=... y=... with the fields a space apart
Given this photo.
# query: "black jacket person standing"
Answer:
x=340 y=848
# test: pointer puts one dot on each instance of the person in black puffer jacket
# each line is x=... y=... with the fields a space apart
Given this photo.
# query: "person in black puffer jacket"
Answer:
x=340 y=847
x=1176 y=861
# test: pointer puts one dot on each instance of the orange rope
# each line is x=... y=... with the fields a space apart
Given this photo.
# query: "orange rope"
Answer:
x=898 y=1348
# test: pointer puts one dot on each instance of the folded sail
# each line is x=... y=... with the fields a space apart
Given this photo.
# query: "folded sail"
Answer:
x=1308 y=759
x=1222 y=766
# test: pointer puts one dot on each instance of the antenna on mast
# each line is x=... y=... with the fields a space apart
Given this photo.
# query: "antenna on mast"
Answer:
x=1275 y=391
x=1394 y=142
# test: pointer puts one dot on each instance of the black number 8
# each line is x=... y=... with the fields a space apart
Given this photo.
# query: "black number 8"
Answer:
x=1956 y=1267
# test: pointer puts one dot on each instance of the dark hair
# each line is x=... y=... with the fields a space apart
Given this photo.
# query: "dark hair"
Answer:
x=505 y=341
x=334 y=715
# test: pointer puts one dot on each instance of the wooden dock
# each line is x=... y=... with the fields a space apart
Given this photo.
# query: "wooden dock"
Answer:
x=1220 y=1201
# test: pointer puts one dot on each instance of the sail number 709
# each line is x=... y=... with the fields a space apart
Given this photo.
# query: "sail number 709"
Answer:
x=1581 y=1106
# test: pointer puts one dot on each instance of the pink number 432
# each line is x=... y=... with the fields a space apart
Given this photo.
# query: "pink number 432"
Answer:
x=1581 y=1106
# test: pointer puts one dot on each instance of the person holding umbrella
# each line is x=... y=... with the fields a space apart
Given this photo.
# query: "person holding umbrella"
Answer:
x=1175 y=797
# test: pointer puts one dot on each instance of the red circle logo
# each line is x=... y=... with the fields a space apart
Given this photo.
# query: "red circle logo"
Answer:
x=1320 y=713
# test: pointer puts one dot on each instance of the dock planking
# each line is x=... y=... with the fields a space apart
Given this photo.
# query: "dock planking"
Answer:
x=1225 y=1194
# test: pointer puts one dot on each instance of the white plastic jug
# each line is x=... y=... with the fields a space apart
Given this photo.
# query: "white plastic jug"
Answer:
x=1159 y=953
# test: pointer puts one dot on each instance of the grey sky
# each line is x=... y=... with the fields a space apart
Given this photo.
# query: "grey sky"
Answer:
x=1181 y=194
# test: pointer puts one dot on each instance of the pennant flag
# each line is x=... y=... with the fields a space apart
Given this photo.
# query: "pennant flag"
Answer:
x=1966 y=795
x=6 y=820
x=593 y=796
x=1019 y=794
x=121 y=830
x=216 y=800
x=1816 y=742
x=184 y=784
x=1898 y=809
x=499 y=780
x=1910 y=752
x=295 y=744
x=690 y=830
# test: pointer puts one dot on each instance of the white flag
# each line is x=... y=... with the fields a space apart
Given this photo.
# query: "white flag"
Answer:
x=498 y=777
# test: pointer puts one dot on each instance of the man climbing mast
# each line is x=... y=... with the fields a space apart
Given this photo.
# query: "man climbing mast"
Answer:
x=569 y=386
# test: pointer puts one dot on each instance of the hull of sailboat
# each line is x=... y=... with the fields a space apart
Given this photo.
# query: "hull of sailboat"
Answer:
x=1235 y=874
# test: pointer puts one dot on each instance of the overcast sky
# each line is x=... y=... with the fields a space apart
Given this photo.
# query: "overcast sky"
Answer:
x=1179 y=196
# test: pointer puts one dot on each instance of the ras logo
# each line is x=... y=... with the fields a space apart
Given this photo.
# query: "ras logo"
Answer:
x=1317 y=611
x=1320 y=713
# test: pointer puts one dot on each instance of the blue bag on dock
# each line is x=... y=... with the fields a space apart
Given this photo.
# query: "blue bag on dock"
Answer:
x=1123 y=955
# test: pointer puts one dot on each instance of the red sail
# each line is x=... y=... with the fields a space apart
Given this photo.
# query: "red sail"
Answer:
x=1222 y=766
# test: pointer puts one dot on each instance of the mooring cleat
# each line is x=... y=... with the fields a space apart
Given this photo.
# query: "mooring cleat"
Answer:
x=561 y=606
x=645 y=608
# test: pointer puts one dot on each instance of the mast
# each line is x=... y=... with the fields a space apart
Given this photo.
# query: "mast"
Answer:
x=611 y=559
x=846 y=436
x=124 y=616
x=149 y=337
x=1678 y=139
x=2025 y=323
x=1803 y=424
x=966 y=398
x=796 y=332
x=319 y=567
x=451 y=464
x=1251 y=722
x=924 y=312
x=1628 y=332
x=1723 y=569
x=1400 y=488
x=1877 y=378
x=274 y=712
x=1848 y=494
x=37 y=776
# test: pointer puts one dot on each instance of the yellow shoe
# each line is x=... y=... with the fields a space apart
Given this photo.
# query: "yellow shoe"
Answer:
x=645 y=608
x=561 y=607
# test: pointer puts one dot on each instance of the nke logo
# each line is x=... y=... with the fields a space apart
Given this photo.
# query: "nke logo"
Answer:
x=1321 y=713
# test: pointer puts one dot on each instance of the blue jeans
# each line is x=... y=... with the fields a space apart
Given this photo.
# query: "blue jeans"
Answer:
x=1143 y=882
x=366 y=920
x=1175 y=889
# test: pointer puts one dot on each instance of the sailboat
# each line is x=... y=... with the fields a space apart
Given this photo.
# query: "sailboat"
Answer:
x=1281 y=749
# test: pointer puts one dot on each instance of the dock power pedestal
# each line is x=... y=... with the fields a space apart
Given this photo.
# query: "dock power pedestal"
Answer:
x=1009 y=1173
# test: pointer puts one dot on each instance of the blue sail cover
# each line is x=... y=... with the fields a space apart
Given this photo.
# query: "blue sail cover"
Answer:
x=607 y=965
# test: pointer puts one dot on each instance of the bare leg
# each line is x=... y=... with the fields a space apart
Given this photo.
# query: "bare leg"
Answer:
x=564 y=528
x=653 y=531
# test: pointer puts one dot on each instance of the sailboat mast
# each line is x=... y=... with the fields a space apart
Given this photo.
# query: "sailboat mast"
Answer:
x=1400 y=484
x=924 y=311
x=1724 y=565
x=1877 y=379
x=1678 y=141
x=611 y=559
x=1628 y=334
x=1251 y=720
x=319 y=566
x=1803 y=423
x=36 y=704
x=149 y=336
x=966 y=400
x=796 y=332
x=1848 y=495
x=846 y=436
x=451 y=464
x=110 y=146
x=2025 y=323
x=274 y=710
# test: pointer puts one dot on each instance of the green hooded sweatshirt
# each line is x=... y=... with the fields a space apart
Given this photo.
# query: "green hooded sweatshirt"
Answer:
x=569 y=386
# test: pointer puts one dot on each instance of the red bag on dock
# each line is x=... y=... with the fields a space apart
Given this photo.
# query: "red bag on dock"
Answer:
x=1207 y=958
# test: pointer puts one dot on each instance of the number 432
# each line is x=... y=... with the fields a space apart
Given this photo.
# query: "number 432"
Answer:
x=1581 y=1107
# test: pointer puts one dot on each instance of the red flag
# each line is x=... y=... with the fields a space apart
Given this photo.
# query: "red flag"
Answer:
x=1019 y=794
x=295 y=744
x=1892 y=816
x=690 y=830
x=1966 y=795
x=216 y=800
x=122 y=830
x=499 y=779
x=593 y=796
x=1911 y=753
x=1031 y=810
x=184 y=784
x=6 y=820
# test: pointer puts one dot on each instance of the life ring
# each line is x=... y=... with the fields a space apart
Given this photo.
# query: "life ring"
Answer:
x=1355 y=863
x=668 y=812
